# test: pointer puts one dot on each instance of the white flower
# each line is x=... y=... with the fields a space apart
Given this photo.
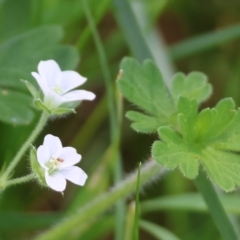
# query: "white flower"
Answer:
x=57 y=162
x=56 y=85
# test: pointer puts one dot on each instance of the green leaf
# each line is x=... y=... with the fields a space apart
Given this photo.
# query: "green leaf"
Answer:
x=20 y=56
x=142 y=122
x=189 y=202
x=218 y=213
x=20 y=221
x=209 y=138
x=174 y=152
x=194 y=86
x=144 y=86
x=136 y=217
x=204 y=42
x=15 y=107
x=157 y=231
x=130 y=222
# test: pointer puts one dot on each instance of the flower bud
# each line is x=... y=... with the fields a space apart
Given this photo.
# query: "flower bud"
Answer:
x=36 y=167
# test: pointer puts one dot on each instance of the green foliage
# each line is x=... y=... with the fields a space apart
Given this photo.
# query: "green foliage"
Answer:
x=136 y=217
x=208 y=138
x=159 y=232
x=188 y=138
x=19 y=56
x=19 y=221
x=144 y=87
x=194 y=85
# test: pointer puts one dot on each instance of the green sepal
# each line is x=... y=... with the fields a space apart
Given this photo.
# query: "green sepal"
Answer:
x=34 y=92
x=62 y=111
x=36 y=167
x=40 y=105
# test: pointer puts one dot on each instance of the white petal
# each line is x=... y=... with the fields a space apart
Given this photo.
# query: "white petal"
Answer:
x=42 y=83
x=71 y=80
x=74 y=174
x=51 y=72
x=53 y=144
x=43 y=156
x=53 y=100
x=69 y=156
x=78 y=95
x=55 y=181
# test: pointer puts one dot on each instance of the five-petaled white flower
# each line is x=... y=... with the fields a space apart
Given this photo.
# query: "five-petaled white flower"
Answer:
x=57 y=162
x=56 y=85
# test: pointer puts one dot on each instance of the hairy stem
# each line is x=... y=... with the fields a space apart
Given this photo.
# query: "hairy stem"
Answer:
x=20 y=180
x=26 y=145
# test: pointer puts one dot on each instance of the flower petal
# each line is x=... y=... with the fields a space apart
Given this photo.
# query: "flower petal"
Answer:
x=42 y=83
x=53 y=100
x=53 y=144
x=43 y=155
x=55 y=181
x=51 y=72
x=74 y=174
x=71 y=80
x=78 y=95
x=69 y=156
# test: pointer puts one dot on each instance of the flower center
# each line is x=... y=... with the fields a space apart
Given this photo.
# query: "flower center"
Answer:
x=53 y=164
x=57 y=89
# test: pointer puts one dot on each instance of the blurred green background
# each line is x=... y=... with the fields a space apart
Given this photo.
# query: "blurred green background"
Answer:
x=181 y=36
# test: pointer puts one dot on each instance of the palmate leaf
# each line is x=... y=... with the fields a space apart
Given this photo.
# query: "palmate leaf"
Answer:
x=145 y=88
x=194 y=85
x=208 y=138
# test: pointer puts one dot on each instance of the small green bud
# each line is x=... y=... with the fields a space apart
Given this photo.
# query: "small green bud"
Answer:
x=34 y=92
x=36 y=167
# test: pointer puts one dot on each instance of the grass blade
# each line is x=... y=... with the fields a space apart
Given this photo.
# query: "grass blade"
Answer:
x=188 y=202
x=215 y=207
x=204 y=42
x=135 y=228
x=158 y=231
x=131 y=29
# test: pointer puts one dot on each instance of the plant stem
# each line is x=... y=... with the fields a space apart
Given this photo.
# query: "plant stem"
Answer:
x=114 y=123
x=26 y=145
x=23 y=179
x=215 y=207
x=149 y=170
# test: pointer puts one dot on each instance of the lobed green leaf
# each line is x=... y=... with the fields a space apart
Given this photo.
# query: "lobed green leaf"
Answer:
x=144 y=86
x=209 y=138
x=193 y=86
